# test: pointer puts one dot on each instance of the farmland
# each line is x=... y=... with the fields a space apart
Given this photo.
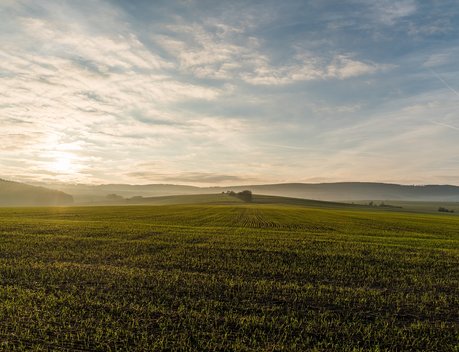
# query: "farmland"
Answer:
x=228 y=276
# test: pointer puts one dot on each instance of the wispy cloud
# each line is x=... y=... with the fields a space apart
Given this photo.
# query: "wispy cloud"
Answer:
x=222 y=55
x=389 y=11
x=190 y=177
x=111 y=91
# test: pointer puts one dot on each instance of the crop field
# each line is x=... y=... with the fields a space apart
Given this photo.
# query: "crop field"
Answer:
x=416 y=206
x=229 y=277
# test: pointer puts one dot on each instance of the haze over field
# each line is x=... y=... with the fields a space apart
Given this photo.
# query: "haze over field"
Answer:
x=14 y=193
x=343 y=191
x=209 y=93
x=19 y=194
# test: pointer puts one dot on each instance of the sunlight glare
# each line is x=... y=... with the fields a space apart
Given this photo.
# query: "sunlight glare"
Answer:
x=64 y=163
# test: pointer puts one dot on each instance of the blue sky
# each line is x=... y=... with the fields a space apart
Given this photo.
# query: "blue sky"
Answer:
x=229 y=92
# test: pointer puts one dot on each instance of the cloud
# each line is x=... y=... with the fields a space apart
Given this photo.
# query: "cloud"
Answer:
x=436 y=27
x=188 y=177
x=344 y=66
x=322 y=108
x=205 y=54
x=18 y=141
x=438 y=59
x=208 y=54
x=263 y=91
x=71 y=80
x=106 y=53
x=310 y=68
x=389 y=12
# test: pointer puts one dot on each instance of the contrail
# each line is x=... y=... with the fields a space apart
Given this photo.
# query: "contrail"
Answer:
x=445 y=83
x=445 y=125
x=287 y=146
x=353 y=152
x=452 y=90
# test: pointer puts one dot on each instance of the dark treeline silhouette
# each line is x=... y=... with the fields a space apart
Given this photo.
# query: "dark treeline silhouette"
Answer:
x=245 y=195
x=445 y=210
x=383 y=205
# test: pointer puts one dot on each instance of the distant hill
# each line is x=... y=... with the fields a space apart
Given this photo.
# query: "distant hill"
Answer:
x=352 y=191
x=340 y=191
x=83 y=193
x=223 y=199
x=20 y=194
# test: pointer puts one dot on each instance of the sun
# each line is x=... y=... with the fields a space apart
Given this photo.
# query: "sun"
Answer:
x=64 y=163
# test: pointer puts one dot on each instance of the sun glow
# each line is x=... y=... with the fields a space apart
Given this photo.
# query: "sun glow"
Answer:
x=64 y=163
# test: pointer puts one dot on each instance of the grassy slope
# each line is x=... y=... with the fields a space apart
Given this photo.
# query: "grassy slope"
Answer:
x=20 y=194
x=265 y=199
x=228 y=277
x=188 y=199
x=220 y=199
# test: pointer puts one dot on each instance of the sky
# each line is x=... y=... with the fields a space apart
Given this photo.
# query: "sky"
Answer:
x=229 y=92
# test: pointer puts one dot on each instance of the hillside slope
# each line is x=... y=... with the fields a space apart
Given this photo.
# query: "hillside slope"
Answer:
x=225 y=199
x=20 y=194
x=350 y=191
x=340 y=191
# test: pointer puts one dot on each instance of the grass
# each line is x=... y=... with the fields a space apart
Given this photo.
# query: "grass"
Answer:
x=222 y=199
x=228 y=277
x=187 y=199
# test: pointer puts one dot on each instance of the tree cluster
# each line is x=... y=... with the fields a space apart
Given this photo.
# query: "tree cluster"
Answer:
x=445 y=210
x=246 y=195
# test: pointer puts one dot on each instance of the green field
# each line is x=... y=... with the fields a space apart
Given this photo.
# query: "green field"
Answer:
x=228 y=276
x=221 y=199
x=414 y=206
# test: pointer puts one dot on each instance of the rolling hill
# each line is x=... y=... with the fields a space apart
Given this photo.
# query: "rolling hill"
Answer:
x=340 y=191
x=225 y=199
x=352 y=191
x=20 y=194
